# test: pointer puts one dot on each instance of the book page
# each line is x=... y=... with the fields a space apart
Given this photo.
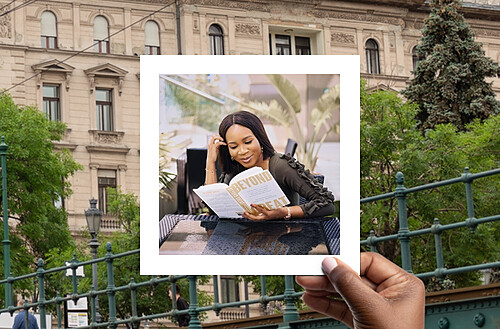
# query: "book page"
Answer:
x=259 y=188
x=219 y=200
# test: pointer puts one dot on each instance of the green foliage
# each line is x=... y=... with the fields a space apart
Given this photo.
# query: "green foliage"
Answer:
x=37 y=175
x=321 y=117
x=449 y=83
x=391 y=142
x=151 y=299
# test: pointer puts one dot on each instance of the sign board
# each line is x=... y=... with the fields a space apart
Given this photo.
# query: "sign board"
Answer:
x=79 y=271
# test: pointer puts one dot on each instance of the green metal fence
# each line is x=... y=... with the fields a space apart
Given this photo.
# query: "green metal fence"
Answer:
x=404 y=234
x=290 y=314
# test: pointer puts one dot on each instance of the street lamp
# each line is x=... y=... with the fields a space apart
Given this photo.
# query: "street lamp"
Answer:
x=94 y=216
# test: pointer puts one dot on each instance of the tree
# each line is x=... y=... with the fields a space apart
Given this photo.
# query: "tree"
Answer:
x=152 y=299
x=392 y=142
x=449 y=83
x=37 y=176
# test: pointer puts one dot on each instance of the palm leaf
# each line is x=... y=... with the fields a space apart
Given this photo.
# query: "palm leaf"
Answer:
x=287 y=91
x=272 y=111
x=322 y=113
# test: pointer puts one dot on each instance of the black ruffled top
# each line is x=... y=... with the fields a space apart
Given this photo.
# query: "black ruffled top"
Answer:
x=297 y=181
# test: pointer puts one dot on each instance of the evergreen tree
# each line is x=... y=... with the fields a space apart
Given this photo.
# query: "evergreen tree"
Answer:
x=449 y=83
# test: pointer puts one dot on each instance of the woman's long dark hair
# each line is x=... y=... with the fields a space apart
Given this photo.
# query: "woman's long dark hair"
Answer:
x=250 y=121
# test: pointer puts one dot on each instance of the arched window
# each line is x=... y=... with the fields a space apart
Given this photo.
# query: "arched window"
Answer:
x=101 y=35
x=415 y=58
x=216 y=40
x=372 y=60
x=152 y=38
x=48 y=30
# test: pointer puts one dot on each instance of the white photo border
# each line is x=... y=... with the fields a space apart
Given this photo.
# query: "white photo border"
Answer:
x=151 y=262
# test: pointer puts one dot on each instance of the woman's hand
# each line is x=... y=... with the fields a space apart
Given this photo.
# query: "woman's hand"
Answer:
x=264 y=214
x=385 y=296
x=213 y=148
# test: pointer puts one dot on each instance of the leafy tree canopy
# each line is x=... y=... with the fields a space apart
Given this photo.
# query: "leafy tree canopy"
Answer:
x=392 y=142
x=37 y=176
x=449 y=83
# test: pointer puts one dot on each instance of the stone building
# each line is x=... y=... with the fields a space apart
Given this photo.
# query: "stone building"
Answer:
x=79 y=61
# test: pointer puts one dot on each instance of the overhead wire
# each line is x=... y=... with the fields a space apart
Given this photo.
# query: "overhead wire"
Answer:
x=91 y=46
x=24 y=4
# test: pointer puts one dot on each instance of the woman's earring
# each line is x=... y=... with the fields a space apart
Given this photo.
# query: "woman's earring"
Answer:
x=232 y=159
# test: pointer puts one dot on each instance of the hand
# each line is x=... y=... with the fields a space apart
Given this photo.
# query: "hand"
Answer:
x=213 y=148
x=264 y=214
x=385 y=296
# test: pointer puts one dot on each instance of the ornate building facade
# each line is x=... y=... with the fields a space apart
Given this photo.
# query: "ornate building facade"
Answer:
x=79 y=61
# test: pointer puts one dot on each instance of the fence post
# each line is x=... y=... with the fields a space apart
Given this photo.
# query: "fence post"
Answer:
x=290 y=313
x=41 y=293
x=263 y=293
x=6 y=241
x=436 y=230
x=111 y=286
x=194 y=322
x=133 y=298
x=373 y=247
x=217 y=308
x=58 y=307
x=403 y=223
x=470 y=204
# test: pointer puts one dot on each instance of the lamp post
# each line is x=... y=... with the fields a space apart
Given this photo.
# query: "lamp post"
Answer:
x=6 y=241
x=94 y=216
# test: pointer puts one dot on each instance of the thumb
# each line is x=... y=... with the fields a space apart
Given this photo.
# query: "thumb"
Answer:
x=357 y=294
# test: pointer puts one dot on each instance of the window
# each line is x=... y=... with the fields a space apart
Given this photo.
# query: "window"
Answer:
x=302 y=46
x=229 y=289
x=106 y=178
x=152 y=38
x=283 y=45
x=216 y=40
x=372 y=61
x=104 y=109
x=51 y=102
x=415 y=58
x=48 y=30
x=289 y=45
x=101 y=35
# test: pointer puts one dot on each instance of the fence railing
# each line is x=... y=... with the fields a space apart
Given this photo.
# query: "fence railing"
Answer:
x=404 y=234
x=289 y=296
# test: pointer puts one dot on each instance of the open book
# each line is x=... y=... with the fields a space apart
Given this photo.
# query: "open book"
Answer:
x=252 y=186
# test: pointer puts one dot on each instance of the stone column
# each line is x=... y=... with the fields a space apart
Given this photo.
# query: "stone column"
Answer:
x=76 y=27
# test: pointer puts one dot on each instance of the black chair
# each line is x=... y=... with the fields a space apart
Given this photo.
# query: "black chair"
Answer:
x=196 y=161
x=291 y=146
x=182 y=204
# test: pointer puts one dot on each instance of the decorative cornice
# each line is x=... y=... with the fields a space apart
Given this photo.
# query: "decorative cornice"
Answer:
x=5 y=23
x=106 y=137
x=249 y=29
x=340 y=37
x=107 y=149
x=107 y=70
x=63 y=145
x=53 y=65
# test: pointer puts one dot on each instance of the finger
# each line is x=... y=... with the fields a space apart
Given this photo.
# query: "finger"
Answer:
x=333 y=308
x=315 y=283
x=322 y=283
x=260 y=209
x=253 y=217
x=324 y=293
x=349 y=285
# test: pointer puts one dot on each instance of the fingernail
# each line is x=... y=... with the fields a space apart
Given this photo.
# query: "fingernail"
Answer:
x=328 y=264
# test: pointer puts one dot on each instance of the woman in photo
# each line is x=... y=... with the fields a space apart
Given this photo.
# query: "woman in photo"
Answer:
x=242 y=143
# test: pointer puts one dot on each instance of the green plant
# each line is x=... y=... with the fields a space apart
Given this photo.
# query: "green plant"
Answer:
x=321 y=117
